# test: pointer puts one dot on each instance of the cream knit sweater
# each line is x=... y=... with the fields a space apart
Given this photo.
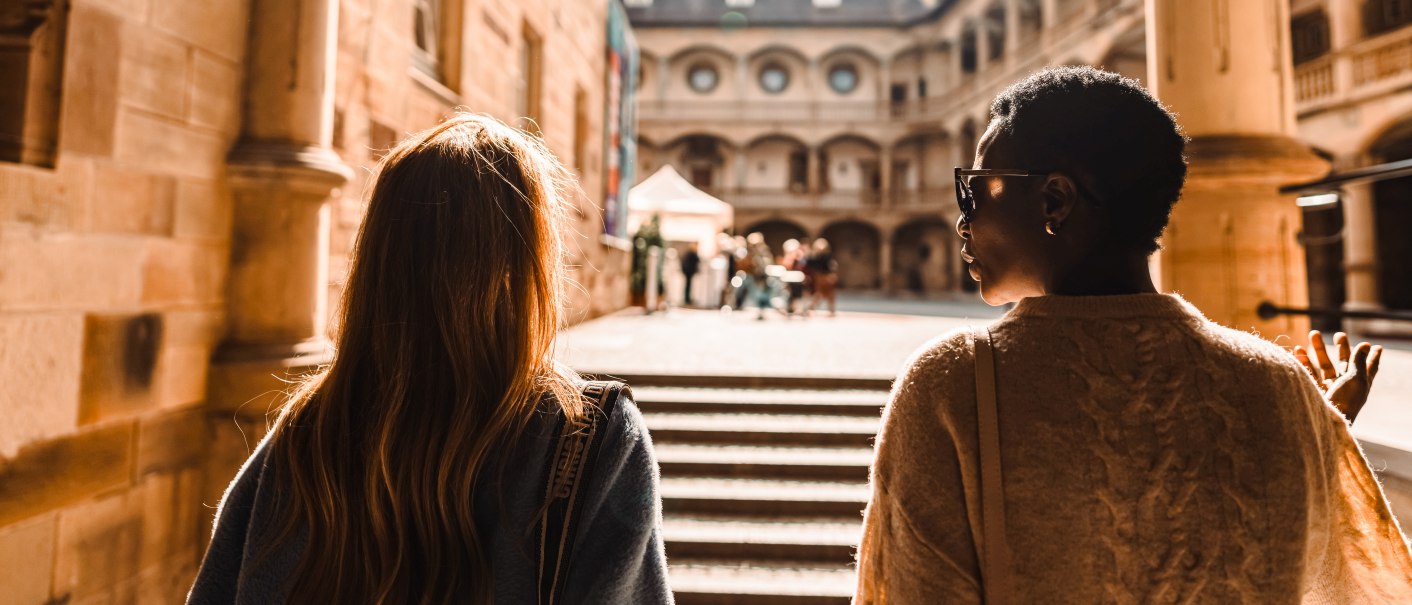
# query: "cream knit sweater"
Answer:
x=1150 y=456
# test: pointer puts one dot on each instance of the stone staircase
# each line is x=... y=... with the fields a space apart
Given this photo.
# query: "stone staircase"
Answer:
x=763 y=484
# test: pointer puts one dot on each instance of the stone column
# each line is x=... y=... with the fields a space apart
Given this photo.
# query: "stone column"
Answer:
x=664 y=75
x=1225 y=69
x=742 y=165
x=1048 y=14
x=282 y=173
x=742 y=76
x=1360 y=249
x=811 y=175
x=1012 y=28
x=982 y=46
x=885 y=177
x=885 y=82
x=885 y=261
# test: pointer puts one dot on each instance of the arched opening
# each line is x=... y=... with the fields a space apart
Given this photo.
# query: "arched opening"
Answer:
x=966 y=144
x=702 y=161
x=777 y=163
x=848 y=166
x=995 y=32
x=1392 y=212
x=777 y=232
x=922 y=166
x=922 y=257
x=969 y=60
x=1031 y=18
x=857 y=248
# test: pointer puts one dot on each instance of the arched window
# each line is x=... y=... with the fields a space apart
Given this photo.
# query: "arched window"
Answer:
x=843 y=78
x=703 y=77
x=774 y=78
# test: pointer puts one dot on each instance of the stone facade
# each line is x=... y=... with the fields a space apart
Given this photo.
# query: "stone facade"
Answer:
x=869 y=167
x=174 y=224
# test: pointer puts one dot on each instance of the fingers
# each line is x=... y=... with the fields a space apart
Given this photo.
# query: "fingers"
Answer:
x=1359 y=363
x=1316 y=342
x=1303 y=357
x=1375 y=359
x=1341 y=341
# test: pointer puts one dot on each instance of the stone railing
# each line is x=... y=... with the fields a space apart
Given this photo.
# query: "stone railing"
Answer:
x=785 y=200
x=1371 y=66
x=813 y=112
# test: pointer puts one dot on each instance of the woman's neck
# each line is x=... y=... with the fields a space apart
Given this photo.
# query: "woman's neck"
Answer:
x=1105 y=275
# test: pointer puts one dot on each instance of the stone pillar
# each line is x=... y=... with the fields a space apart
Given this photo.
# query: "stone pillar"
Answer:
x=282 y=173
x=664 y=75
x=811 y=176
x=1048 y=14
x=885 y=261
x=1360 y=249
x=982 y=46
x=885 y=177
x=885 y=82
x=742 y=165
x=742 y=76
x=1226 y=71
x=1012 y=28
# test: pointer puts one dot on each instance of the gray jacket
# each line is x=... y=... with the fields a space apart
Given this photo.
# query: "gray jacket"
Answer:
x=618 y=555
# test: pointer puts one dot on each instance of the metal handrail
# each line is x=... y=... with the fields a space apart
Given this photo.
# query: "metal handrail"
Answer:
x=1268 y=310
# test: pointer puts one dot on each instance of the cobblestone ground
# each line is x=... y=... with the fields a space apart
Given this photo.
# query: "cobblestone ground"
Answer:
x=869 y=338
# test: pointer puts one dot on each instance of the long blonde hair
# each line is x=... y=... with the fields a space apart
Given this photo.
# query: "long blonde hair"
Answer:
x=444 y=353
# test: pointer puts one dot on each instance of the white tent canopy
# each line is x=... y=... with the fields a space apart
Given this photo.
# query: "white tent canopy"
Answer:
x=688 y=214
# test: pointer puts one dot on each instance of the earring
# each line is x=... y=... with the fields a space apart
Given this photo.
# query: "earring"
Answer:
x=1050 y=228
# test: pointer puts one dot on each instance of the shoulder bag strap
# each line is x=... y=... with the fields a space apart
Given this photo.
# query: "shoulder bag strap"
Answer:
x=995 y=553
x=570 y=468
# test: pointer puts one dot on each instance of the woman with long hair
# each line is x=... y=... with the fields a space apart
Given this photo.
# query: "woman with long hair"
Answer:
x=415 y=467
x=1103 y=442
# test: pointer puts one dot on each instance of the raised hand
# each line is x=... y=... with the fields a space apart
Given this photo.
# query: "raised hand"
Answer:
x=1345 y=384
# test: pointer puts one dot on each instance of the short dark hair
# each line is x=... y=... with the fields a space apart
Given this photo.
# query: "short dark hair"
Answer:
x=1107 y=131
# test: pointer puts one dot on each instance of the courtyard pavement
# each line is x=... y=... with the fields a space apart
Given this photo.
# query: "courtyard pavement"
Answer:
x=871 y=337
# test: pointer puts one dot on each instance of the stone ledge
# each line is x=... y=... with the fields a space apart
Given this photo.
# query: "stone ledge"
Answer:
x=51 y=475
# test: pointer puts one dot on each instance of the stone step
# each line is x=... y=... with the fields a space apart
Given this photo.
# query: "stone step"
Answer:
x=762 y=429
x=759 y=461
x=748 y=538
x=760 y=401
x=763 y=497
x=742 y=381
x=727 y=582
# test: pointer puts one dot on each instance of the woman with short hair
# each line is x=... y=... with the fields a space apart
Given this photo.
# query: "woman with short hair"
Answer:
x=1104 y=443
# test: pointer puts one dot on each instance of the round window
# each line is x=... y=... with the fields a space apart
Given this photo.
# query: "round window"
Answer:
x=702 y=78
x=774 y=78
x=843 y=78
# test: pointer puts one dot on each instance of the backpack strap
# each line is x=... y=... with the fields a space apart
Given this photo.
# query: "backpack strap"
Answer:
x=995 y=552
x=571 y=468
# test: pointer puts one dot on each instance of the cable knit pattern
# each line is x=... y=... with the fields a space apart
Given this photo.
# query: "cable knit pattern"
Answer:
x=1150 y=456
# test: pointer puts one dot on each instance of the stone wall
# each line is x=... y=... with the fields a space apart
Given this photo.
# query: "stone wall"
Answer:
x=115 y=263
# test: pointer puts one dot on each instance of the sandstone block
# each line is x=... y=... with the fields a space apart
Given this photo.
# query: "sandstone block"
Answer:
x=215 y=92
x=100 y=548
x=40 y=363
x=168 y=583
x=181 y=375
x=50 y=199
x=203 y=210
x=120 y=356
x=132 y=201
x=168 y=147
x=183 y=272
x=27 y=556
x=68 y=272
x=172 y=441
x=171 y=511
x=53 y=474
x=219 y=27
x=94 y=49
x=156 y=68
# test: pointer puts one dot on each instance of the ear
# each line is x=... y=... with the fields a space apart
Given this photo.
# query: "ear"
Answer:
x=1060 y=195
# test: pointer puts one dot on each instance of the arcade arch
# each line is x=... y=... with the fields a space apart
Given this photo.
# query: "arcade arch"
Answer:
x=857 y=248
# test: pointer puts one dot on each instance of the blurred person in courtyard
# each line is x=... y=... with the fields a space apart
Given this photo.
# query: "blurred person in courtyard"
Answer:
x=823 y=272
x=1103 y=442
x=415 y=468
x=758 y=285
x=690 y=265
x=742 y=270
x=793 y=262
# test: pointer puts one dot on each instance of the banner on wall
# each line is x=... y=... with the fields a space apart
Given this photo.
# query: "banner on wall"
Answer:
x=620 y=123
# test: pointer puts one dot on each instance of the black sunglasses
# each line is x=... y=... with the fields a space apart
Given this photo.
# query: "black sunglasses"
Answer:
x=966 y=199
